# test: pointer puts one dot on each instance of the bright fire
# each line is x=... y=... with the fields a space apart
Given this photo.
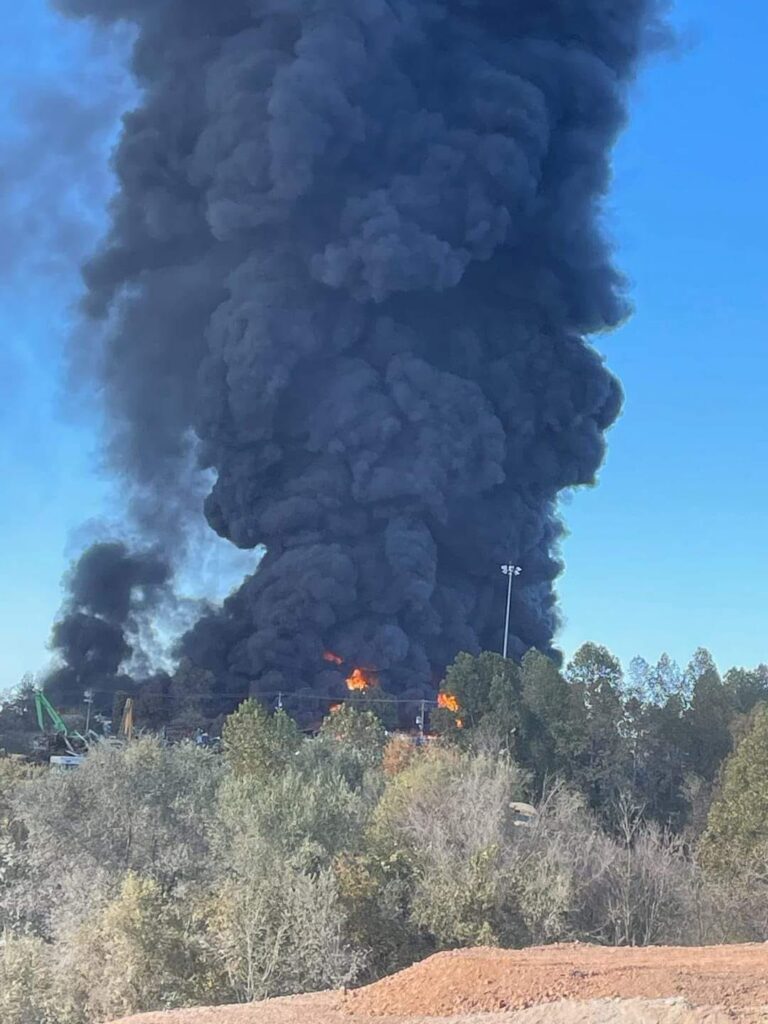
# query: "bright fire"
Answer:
x=334 y=659
x=447 y=701
x=360 y=680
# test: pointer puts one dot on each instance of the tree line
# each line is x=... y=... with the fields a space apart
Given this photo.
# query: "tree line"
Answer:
x=656 y=735
x=159 y=875
x=658 y=731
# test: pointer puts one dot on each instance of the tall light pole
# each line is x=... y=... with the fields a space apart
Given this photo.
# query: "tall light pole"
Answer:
x=510 y=571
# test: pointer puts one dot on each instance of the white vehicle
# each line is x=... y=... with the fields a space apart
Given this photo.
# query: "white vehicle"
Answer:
x=66 y=761
x=523 y=814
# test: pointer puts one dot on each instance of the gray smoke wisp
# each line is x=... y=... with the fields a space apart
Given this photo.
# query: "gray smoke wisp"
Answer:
x=357 y=251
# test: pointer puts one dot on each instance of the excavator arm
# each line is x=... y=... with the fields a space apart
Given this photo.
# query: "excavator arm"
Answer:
x=44 y=707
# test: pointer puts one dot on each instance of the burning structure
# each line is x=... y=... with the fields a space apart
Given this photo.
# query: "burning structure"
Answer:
x=352 y=263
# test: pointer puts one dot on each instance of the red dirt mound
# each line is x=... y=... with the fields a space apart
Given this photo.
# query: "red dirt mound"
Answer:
x=485 y=980
x=491 y=986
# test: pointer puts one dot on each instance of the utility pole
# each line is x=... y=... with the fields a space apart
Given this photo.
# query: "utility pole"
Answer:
x=510 y=571
x=420 y=719
x=88 y=698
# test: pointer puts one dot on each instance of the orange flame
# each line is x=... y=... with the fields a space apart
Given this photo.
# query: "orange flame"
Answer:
x=334 y=708
x=360 y=680
x=447 y=701
x=459 y=723
x=334 y=659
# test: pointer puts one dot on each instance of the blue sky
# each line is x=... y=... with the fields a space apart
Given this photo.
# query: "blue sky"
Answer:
x=668 y=552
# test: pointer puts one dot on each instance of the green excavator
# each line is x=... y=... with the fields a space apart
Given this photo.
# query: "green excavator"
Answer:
x=63 y=747
x=60 y=746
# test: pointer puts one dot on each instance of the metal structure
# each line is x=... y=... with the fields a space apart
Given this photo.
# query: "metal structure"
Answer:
x=61 y=746
x=510 y=571
x=88 y=698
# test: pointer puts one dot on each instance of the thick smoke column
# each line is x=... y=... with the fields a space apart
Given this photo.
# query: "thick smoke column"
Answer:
x=111 y=592
x=356 y=251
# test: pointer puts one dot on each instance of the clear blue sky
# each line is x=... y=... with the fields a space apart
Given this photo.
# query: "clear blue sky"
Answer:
x=669 y=551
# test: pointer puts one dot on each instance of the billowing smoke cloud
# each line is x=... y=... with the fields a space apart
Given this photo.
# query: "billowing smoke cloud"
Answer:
x=356 y=252
x=111 y=593
x=59 y=115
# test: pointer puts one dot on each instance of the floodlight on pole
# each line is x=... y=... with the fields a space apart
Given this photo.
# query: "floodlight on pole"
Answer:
x=510 y=571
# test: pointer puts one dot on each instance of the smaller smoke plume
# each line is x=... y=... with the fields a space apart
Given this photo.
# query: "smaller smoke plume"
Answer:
x=112 y=592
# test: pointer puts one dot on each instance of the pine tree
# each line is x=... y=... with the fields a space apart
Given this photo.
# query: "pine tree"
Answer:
x=707 y=718
x=735 y=842
x=605 y=767
x=746 y=688
x=561 y=731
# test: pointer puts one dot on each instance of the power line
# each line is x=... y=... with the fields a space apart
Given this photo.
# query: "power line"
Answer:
x=287 y=697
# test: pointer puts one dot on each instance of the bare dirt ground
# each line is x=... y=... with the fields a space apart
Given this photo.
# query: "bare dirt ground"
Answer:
x=566 y=984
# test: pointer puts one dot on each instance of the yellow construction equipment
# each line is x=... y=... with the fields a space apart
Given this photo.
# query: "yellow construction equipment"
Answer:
x=126 y=725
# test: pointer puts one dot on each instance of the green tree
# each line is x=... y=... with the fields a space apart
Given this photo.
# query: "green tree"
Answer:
x=135 y=954
x=661 y=764
x=191 y=696
x=604 y=765
x=278 y=929
x=560 y=731
x=735 y=842
x=594 y=668
x=746 y=688
x=257 y=743
x=477 y=681
x=445 y=828
x=489 y=692
x=277 y=924
x=309 y=817
x=18 y=722
x=356 y=730
x=708 y=717
x=701 y=662
x=665 y=680
x=637 y=684
x=378 y=702
x=154 y=704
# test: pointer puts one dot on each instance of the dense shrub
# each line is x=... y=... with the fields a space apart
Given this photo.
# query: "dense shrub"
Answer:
x=27 y=993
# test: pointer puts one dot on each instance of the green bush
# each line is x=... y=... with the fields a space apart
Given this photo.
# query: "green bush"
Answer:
x=27 y=994
x=258 y=744
x=278 y=929
x=135 y=954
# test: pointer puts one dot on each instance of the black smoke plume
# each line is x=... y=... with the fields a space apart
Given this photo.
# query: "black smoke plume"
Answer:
x=356 y=253
x=111 y=593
